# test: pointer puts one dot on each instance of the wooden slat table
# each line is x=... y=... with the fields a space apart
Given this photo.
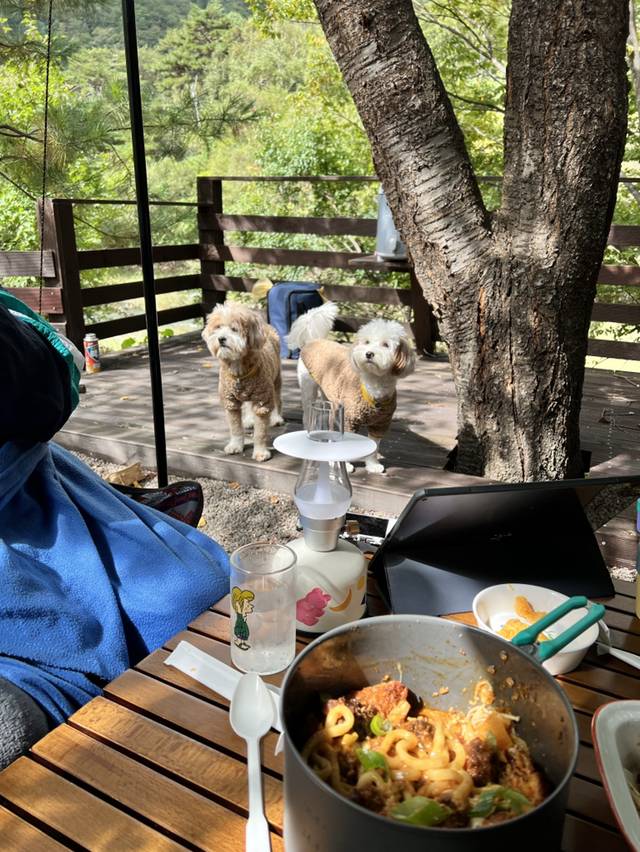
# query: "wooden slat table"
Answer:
x=154 y=764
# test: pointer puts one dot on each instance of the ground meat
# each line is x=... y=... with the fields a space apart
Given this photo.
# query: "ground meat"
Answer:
x=366 y=703
x=520 y=774
x=348 y=763
x=456 y=820
x=382 y=697
x=479 y=763
x=370 y=797
x=418 y=725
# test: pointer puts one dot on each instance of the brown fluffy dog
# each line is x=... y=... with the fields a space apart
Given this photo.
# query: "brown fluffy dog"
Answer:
x=250 y=382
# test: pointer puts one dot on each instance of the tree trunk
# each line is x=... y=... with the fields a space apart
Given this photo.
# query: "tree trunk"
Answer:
x=513 y=290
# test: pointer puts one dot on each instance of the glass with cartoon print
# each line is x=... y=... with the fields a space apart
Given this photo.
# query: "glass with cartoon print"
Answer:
x=263 y=608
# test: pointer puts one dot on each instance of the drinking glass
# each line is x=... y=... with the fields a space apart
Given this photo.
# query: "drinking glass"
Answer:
x=326 y=421
x=263 y=607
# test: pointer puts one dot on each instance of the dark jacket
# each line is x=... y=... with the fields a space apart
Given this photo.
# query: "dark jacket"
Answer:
x=35 y=390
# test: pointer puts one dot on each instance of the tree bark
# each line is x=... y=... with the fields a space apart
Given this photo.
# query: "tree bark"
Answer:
x=513 y=290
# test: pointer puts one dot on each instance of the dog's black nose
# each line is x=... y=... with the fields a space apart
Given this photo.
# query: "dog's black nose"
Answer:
x=222 y=341
x=368 y=356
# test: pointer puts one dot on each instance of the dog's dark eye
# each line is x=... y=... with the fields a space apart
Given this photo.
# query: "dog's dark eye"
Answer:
x=385 y=345
x=233 y=328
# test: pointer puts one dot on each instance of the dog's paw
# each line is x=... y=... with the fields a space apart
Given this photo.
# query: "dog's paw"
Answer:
x=261 y=454
x=350 y=467
x=276 y=419
x=235 y=445
x=374 y=467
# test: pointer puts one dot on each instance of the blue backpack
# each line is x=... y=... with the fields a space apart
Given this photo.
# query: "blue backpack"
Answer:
x=286 y=301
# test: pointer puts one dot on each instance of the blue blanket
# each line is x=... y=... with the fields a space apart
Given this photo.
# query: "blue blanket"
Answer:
x=90 y=580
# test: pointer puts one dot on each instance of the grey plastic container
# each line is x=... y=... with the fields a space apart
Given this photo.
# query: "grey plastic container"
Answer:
x=428 y=653
x=389 y=246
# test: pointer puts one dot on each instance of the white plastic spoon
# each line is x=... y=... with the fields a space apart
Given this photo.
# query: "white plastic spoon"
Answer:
x=604 y=646
x=251 y=715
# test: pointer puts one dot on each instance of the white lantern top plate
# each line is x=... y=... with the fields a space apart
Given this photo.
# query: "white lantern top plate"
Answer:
x=301 y=446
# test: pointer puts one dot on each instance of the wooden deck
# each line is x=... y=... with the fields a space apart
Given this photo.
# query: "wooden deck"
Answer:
x=114 y=420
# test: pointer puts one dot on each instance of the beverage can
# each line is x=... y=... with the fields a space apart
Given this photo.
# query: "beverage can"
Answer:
x=92 y=353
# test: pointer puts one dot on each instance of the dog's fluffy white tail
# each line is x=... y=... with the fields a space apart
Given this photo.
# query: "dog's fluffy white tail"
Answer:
x=314 y=325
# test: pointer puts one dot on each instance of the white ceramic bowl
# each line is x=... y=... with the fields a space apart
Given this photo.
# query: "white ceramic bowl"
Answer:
x=493 y=606
x=615 y=728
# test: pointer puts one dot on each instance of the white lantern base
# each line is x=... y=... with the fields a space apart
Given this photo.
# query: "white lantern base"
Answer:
x=331 y=586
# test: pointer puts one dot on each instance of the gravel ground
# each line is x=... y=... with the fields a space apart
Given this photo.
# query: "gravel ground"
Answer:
x=620 y=572
x=253 y=514
x=248 y=514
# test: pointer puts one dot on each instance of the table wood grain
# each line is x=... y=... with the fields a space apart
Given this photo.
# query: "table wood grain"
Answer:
x=154 y=765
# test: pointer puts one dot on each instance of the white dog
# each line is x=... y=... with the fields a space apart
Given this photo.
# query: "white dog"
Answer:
x=362 y=377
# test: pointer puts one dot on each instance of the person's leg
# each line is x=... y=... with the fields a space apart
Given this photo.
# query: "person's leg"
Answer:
x=22 y=722
x=183 y=500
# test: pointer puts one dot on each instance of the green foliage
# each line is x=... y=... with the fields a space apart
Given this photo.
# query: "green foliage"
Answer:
x=88 y=151
x=102 y=25
x=268 y=12
x=229 y=88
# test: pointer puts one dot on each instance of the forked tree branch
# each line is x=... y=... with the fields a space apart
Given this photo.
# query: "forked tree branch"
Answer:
x=514 y=290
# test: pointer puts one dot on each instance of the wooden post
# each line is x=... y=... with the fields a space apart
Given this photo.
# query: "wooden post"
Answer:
x=423 y=324
x=60 y=236
x=210 y=234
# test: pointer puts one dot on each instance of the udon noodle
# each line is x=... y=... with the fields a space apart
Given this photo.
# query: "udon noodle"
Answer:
x=428 y=767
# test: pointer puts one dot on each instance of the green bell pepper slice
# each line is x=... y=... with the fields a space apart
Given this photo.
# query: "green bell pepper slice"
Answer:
x=370 y=759
x=486 y=803
x=418 y=810
x=512 y=800
x=499 y=799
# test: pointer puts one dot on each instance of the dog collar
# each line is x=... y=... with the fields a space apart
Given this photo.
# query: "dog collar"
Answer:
x=376 y=403
x=246 y=375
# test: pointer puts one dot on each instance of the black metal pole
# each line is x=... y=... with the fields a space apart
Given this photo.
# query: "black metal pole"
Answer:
x=144 y=226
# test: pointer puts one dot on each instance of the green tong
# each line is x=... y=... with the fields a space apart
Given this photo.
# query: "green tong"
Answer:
x=526 y=639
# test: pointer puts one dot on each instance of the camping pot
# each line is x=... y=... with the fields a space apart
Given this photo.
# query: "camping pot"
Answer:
x=389 y=246
x=427 y=654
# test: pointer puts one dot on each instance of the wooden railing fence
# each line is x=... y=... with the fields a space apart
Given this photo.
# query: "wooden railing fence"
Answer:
x=64 y=299
x=213 y=223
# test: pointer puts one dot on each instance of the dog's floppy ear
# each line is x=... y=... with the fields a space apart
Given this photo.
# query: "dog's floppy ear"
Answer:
x=405 y=359
x=209 y=326
x=351 y=347
x=255 y=331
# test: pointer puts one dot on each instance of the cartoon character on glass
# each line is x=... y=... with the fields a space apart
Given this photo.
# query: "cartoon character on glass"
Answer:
x=241 y=603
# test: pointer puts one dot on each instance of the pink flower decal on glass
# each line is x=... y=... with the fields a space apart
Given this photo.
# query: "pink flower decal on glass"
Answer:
x=310 y=608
